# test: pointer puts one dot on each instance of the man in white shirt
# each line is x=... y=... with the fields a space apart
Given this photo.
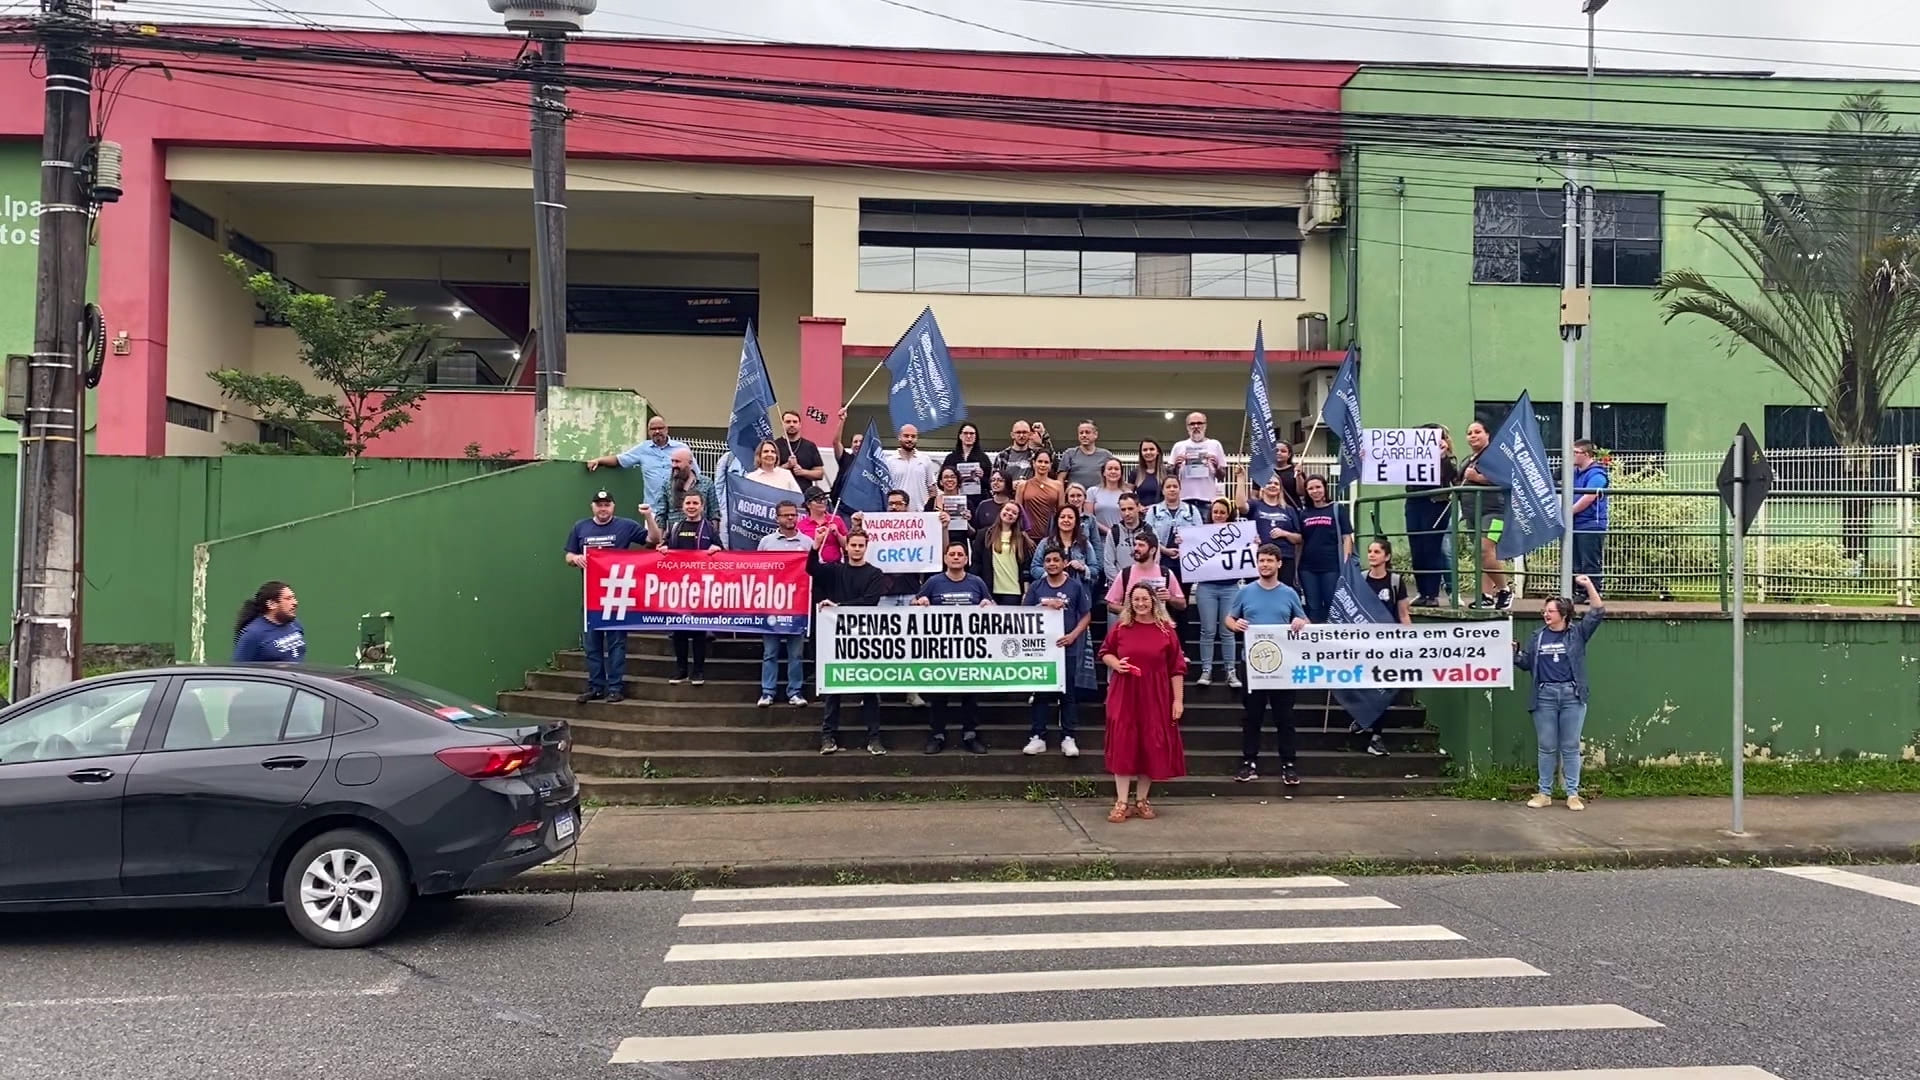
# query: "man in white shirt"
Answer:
x=913 y=472
x=1201 y=464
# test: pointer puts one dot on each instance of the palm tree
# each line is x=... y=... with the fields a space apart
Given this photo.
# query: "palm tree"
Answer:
x=1830 y=240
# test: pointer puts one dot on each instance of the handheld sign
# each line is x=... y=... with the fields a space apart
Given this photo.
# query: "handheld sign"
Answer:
x=1401 y=456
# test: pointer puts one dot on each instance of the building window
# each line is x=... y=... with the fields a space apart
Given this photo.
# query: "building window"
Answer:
x=1805 y=427
x=195 y=218
x=1065 y=250
x=1620 y=427
x=188 y=414
x=250 y=249
x=1518 y=237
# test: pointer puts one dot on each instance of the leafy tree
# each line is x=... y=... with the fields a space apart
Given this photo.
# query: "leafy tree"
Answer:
x=1829 y=239
x=370 y=356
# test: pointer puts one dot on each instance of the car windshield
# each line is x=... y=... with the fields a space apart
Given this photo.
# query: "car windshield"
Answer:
x=420 y=697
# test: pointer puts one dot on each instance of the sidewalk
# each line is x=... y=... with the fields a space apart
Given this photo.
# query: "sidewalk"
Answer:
x=678 y=847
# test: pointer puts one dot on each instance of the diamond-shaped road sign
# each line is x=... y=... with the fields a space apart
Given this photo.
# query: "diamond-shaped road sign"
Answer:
x=1757 y=477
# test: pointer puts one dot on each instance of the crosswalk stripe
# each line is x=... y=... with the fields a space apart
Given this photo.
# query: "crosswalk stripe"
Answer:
x=1121 y=939
x=1846 y=879
x=1022 y=982
x=930 y=912
x=1691 y=1072
x=1132 y=1031
x=987 y=888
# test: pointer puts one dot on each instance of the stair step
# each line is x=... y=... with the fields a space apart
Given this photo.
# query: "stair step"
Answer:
x=763 y=789
x=1006 y=757
x=1313 y=712
x=792 y=731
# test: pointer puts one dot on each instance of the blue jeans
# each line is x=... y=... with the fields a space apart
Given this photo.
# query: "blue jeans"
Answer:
x=794 y=646
x=1317 y=587
x=1216 y=599
x=1558 y=716
x=606 y=660
x=1044 y=704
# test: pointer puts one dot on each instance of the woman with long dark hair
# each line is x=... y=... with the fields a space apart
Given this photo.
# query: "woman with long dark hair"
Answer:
x=999 y=494
x=1068 y=537
x=971 y=463
x=949 y=500
x=1040 y=496
x=266 y=631
x=1326 y=542
x=1557 y=657
x=1103 y=499
x=1145 y=477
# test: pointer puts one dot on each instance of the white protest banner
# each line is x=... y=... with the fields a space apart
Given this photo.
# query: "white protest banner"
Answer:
x=906 y=543
x=1354 y=656
x=1400 y=456
x=1222 y=552
x=973 y=650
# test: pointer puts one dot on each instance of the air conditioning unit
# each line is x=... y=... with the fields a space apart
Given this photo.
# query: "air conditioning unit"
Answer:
x=1322 y=210
x=1315 y=388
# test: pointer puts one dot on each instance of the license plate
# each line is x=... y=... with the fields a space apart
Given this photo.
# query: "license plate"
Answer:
x=563 y=827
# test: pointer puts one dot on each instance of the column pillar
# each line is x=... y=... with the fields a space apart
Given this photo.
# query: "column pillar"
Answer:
x=135 y=243
x=822 y=362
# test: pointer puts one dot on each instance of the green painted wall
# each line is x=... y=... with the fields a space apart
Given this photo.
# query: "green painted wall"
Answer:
x=145 y=514
x=1662 y=691
x=19 y=267
x=471 y=571
x=586 y=423
x=1466 y=342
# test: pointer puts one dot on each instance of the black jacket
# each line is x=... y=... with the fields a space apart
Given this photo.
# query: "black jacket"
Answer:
x=845 y=584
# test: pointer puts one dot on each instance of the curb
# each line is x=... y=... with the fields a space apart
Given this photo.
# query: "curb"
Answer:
x=561 y=878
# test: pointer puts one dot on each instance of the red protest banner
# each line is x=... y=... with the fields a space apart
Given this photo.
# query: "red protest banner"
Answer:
x=746 y=592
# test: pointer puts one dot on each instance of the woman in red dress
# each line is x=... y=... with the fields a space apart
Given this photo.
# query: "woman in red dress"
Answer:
x=1145 y=697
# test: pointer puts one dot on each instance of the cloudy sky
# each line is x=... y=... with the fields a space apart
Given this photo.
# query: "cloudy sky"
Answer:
x=1834 y=38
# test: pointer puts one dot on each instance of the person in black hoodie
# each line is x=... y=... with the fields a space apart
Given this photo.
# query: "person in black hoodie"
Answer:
x=1429 y=519
x=852 y=582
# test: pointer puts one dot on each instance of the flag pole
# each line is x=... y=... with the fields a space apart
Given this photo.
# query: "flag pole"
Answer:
x=863 y=385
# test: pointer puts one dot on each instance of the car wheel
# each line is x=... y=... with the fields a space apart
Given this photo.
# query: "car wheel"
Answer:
x=344 y=889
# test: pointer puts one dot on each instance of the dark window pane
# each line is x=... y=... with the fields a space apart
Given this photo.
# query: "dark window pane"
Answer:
x=1546 y=214
x=1637 y=218
x=1603 y=263
x=1540 y=261
x=1496 y=212
x=1635 y=262
x=1496 y=260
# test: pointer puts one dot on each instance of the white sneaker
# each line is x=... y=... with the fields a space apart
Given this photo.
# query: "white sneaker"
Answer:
x=765 y=702
x=1035 y=745
x=1233 y=680
x=1539 y=801
x=1575 y=802
x=1205 y=679
x=1069 y=748
x=916 y=701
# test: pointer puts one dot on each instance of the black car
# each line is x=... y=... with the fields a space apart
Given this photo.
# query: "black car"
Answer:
x=338 y=793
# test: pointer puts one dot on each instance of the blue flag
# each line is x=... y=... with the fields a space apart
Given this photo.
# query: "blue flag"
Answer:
x=751 y=510
x=1265 y=460
x=866 y=488
x=1354 y=601
x=752 y=397
x=923 y=389
x=1515 y=460
x=1341 y=415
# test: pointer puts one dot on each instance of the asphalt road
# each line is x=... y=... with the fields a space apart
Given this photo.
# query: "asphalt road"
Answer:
x=1797 y=978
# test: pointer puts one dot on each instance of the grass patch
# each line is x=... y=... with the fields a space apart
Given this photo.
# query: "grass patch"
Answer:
x=1762 y=778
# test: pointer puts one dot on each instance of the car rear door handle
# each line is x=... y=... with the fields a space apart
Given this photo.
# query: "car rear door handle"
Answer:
x=90 y=776
x=284 y=763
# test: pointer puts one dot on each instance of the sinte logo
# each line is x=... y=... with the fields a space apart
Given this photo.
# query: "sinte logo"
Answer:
x=1264 y=656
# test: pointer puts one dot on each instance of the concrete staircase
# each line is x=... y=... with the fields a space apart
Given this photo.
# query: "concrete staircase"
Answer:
x=683 y=743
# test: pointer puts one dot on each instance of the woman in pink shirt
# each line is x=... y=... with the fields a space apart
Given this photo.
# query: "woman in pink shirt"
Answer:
x=824 y=529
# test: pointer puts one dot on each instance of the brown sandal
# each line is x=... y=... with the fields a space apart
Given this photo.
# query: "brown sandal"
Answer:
x=1145 y=810
x=1118 y=814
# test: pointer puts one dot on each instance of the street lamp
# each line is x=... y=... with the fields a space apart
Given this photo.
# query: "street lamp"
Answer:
x=547 y=26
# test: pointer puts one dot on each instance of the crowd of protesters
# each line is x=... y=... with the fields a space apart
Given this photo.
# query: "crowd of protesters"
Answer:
x=1082 y=531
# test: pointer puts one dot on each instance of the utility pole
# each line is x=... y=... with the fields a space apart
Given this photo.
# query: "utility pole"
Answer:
x=547 y=26
x=44 y=650
x=1591 y=9
x=1575 y=305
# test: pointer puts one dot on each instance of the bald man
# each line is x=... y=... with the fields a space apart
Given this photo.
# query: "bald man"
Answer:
x=913 y=472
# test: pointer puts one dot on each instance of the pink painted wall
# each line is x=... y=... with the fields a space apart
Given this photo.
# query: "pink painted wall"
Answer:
x=450 y=419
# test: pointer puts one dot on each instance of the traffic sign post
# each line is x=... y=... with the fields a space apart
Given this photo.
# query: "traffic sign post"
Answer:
x=1745 y=481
